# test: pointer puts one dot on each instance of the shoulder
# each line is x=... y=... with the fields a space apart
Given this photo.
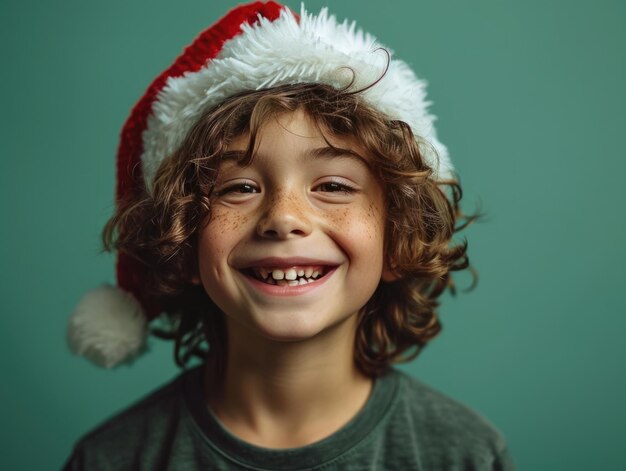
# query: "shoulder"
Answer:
x=151 y=410
x=446 y=427
x=144 y=425
x=436 y=408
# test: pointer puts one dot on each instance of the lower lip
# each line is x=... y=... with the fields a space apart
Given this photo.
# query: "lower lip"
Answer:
x=298 y=290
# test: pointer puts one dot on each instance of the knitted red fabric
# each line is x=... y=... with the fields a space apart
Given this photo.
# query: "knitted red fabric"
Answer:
x=131 y=273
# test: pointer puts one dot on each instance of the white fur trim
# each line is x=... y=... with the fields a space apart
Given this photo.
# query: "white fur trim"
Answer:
x=271 y=53
x=108 y=326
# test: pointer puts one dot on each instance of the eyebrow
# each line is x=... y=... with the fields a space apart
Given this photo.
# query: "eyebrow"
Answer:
x=328 y=152
x=318 y=153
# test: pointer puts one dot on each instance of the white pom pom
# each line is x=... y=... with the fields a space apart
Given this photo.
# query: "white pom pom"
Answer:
x=108 y=326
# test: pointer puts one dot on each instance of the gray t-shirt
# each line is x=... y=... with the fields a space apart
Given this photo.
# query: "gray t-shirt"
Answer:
x=405 y=425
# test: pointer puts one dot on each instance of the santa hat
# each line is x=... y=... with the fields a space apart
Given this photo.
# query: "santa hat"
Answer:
x=255 y=46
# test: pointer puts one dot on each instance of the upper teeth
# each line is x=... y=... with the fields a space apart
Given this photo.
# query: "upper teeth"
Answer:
x=289 y=274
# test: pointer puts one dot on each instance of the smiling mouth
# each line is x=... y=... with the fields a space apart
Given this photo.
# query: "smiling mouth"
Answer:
x=288 y=276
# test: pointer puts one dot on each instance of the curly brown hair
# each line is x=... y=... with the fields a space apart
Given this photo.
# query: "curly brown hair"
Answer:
x=159 y=228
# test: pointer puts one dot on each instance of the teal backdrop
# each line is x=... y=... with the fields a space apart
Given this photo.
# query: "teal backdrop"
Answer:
x=531 y=102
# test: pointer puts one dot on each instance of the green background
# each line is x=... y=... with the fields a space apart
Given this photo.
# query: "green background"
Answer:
x=531 y=102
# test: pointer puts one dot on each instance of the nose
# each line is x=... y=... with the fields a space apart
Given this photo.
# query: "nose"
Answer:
x=285 y=216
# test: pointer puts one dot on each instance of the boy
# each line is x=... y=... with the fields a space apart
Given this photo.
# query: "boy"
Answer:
x=283 y=197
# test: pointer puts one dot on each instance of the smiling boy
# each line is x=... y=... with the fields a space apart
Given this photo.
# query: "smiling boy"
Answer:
x=292 y=217
x=293 y=250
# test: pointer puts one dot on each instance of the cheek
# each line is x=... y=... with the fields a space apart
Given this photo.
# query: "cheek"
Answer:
x=225 y=223
x=359 y=231
x=216 y=242
x=219 y=236
x=375 y=215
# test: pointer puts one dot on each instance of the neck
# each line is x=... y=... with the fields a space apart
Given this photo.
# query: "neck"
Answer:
x=287 y=394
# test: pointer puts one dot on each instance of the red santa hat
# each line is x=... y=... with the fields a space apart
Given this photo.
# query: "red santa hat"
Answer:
x=255 y=46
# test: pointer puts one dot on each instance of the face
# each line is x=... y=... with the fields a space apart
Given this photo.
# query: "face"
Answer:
x=294 y=245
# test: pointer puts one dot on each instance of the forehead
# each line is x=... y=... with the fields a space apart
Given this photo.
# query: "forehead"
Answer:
x=298 y=133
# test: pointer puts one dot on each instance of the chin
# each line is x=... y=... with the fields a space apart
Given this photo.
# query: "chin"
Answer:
x=295 y=329
x=290 y=333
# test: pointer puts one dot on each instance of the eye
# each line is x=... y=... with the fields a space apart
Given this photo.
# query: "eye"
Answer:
x=334 y=186
x=238 y=188
x=237 y=191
